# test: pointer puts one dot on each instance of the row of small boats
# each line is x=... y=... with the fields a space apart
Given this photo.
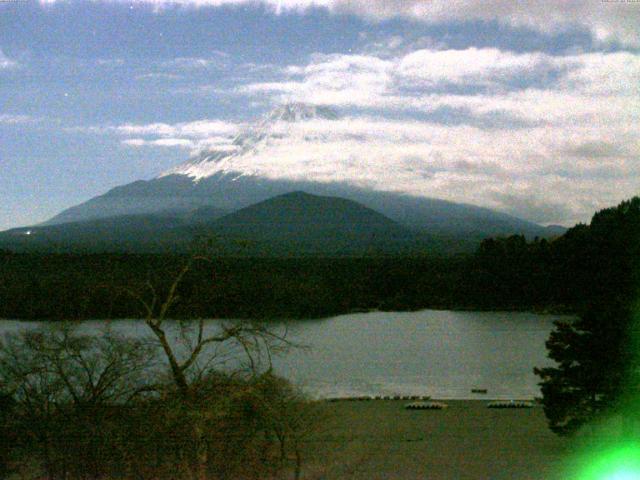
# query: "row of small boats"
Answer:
x=496 y=404
x=421 y=402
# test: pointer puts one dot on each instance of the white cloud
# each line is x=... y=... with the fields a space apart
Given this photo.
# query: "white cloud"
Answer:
x=194 y=136
x=5 y=62
x=158 y=76
x=161 y=142
x=216 y=59
x=193 y=130
x=567 y=128
x=511 y=170
x=173 y=142
x=277 y=5
x=472 y=65
x=110 y=62
x=572 y=136
x=16 y=119
x=606 y=20
x=357 y=80
x=135 y=142
x=586 y=87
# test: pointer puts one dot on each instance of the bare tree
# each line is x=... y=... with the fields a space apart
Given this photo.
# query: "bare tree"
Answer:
x=290 y=417
x=62 y=381
x=199 y=350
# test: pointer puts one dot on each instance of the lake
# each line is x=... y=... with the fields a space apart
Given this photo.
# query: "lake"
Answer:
x=443 y=354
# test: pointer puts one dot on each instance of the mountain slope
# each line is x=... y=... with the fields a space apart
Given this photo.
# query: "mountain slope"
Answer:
x=292 y=224
x=128 y=233
x=227 y=193
x=225 y=180
x=299 y=223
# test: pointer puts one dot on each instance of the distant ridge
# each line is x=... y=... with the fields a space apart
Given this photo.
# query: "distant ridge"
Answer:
x=218 y=180
x=291 y=224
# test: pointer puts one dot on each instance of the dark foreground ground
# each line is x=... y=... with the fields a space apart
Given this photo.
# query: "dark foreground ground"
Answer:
x=381 y=440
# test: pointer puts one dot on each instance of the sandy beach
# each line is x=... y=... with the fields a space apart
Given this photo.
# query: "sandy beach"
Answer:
x=380 y=439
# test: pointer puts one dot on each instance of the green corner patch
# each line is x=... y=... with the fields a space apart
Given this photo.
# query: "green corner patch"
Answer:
x=619 y=462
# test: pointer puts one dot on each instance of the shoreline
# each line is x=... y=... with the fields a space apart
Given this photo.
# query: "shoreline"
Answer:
x=534 y=311
x=427 y=398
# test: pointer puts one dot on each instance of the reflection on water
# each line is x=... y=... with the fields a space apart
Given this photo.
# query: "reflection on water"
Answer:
x=439 y=353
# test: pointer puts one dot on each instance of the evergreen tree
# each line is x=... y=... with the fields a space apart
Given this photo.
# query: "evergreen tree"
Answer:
x=593 y=357
x=596 y=362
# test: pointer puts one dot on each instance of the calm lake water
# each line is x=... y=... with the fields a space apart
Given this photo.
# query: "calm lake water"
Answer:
x=439 y=353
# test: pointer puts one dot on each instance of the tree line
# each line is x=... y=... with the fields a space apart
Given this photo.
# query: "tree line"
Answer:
x=505 y=273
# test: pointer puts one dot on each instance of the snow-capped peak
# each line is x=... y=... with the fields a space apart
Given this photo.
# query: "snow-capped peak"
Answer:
x=297 y=111
x=274 y=127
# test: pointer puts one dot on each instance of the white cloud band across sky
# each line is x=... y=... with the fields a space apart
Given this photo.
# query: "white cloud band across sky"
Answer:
x=542 y=149
x=607 y=20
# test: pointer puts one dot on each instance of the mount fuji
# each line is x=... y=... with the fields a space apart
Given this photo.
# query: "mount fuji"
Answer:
x=259 y=164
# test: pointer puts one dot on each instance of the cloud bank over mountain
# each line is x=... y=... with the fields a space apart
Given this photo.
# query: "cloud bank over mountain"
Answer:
x=483 y=126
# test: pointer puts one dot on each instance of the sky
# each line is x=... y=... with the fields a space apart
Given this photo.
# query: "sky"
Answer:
x=530 y=107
